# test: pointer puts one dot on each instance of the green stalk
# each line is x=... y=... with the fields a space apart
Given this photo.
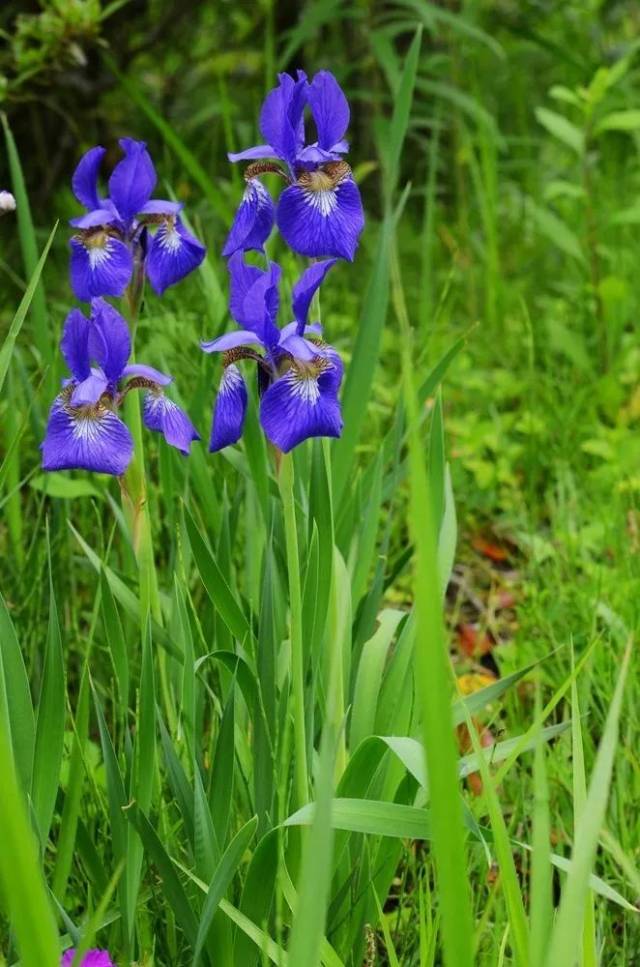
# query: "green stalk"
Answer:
x=133 y=484
x=285 y=482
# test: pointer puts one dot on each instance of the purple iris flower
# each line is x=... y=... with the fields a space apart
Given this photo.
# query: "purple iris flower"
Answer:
x=92 y=958
x=320 y=212
x=84 y=430
x=298 y=375
x=115 y=233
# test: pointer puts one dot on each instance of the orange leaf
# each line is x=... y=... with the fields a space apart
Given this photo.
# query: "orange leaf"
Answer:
x=495 y=552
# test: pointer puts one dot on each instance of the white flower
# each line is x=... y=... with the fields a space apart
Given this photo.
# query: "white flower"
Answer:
x=7 y=202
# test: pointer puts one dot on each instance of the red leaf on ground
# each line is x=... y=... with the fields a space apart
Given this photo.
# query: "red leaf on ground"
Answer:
x=473 y=642
x=495 y=552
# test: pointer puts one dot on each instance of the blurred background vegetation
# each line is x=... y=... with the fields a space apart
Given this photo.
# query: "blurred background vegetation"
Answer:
x=523 y=210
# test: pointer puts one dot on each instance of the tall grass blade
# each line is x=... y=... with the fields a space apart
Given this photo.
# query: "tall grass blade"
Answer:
x=23 y=888
x=15 y=699
x=433 y=684
x=29 y=246
x=47 y=757
x=6 y=351
x=569 y=926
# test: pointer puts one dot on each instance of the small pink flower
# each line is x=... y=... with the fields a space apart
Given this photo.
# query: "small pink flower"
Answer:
x=93 y=958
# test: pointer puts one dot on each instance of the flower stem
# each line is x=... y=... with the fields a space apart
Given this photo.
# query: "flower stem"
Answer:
x=285 y=481
x=134 y=481
x=136 y=508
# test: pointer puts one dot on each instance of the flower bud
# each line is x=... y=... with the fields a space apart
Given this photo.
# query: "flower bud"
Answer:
x=7 y=202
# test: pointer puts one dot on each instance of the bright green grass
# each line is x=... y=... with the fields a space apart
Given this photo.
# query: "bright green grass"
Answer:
x=264 y=770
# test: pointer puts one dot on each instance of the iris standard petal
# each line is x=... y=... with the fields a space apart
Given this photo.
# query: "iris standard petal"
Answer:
x=305 y=289
x=299 y=405
x=275 y=125
x=253 y=220
x=84 y=181
x=231 y=340
x=87 y=438
x=166 y=417
x=319 y=221
x=173 y=253
x=241 y=277
x=90 y=389
x=281 y=117
x=92 y=958
x=329 y=107
x=109 y=339
x=147 y=372
x=133 y=179
x=74 y=344
x=100 y=265
x=229 y=410
x=260 y=306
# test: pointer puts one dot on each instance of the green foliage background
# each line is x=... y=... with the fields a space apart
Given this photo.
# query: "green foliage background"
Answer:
x=520 y=233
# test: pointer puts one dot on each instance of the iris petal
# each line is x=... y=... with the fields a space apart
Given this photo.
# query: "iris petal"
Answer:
x=305 y=289
x=173 y=253
x=97 y=218
x=147 y=372
x=87 y=438
x=329 y=107
x=133 y=179
x=229 y=410
x=253 y=220
x=92 y=958
x=281 y=121
x=254 y=297
x=74 y=344
x=300 y=405
x=298 y=347
x=230 y=340
x=323 y=222
x=257 y=153
x=109 y=339
x=90 y=389
x=99 y=266
x=260 y=306
x=162 y=414
x=84 y=181
x=158 y=206
x=241 y=278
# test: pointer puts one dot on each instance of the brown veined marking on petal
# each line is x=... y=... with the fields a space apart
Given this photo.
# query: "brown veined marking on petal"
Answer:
x=264 y=168
x=311 y=369
x=324 y=178
x=231 y=356
x=158 y=219
x=89 y=411
x=97 y=237
x=138 y=382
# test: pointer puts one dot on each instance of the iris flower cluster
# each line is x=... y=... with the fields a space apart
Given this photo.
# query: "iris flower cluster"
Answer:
x=112 y=250
x=127 y=236
x=84 y=430
x=127 y=229
x=319 y=214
